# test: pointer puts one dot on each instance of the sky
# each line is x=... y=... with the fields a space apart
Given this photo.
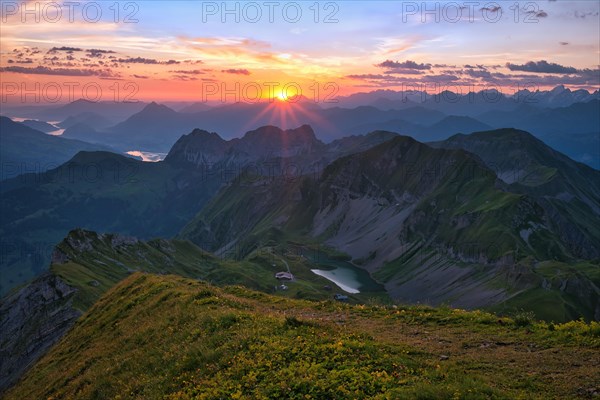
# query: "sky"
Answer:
x=55 y=52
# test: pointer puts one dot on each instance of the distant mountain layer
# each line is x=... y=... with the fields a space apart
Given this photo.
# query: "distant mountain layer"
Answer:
x=108 y=109
x=469 y=103
x=40 y=125
x=26 y=150
x=573 y=128
x=92 y=119
x=157 y=127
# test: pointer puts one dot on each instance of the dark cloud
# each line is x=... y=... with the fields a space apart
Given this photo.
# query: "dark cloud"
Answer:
x=542 y=67
x=41 y=70
x=478 y=73
x=138 y=60
x=97 y=53
x=141 y=60
x=368 y=76
x=186 y=78
x=64 y=48
x=237 y=71
x=140 y=76
x=192 y=72
x=491 y=9
x=538 y=13
x=404 y=71
x=563 y=43
x=586 y=14
x=440 y=78
x=408 y=64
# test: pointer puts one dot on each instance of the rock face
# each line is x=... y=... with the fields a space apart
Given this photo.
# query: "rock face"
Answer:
x=201 y=148
x=267 y=148
x=32 y=319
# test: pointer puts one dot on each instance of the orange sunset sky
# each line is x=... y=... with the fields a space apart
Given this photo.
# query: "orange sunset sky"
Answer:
x=239 y=51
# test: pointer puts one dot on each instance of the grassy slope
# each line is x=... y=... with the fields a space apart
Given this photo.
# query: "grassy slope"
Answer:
x=555 y=302
x=154 y=337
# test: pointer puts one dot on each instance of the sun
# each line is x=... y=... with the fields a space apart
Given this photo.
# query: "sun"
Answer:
x=281 y=96
x=287 y=95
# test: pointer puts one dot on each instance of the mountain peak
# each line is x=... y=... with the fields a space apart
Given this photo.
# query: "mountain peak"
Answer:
x=304 y=131
x=97 y=157
x=559 y=89
x=280 y=142
x=154 y=107
x=197 y=145
x=6 y=120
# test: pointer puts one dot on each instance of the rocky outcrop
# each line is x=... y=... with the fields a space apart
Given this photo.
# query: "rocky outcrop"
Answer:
x=32 y=319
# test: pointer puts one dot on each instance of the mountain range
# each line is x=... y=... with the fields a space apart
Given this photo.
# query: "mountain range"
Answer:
x=108 y=192
x=448 y=101
x=495 y=219
x=503 y=202
x=572 y=129
x=414 y=215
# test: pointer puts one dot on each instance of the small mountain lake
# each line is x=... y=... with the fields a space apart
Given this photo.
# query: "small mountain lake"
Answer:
x=344 y=274
x=147 y=156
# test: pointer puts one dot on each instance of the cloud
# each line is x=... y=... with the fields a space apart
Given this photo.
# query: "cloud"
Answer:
x=404 y=71
x=586 y=14
x=479 y=66
x=238 y=71
x=368 y=76
x=55 y=50
x=140 y=76
x=491 y=9
x=542 y=67
x=440 y=78
x=192 y=72
x=180 y=77
x=563 y=43
x=98 y=52
x=408 y=64
x=537 y=13
x=141 y=60
x=479 y=73
x=41 y=70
